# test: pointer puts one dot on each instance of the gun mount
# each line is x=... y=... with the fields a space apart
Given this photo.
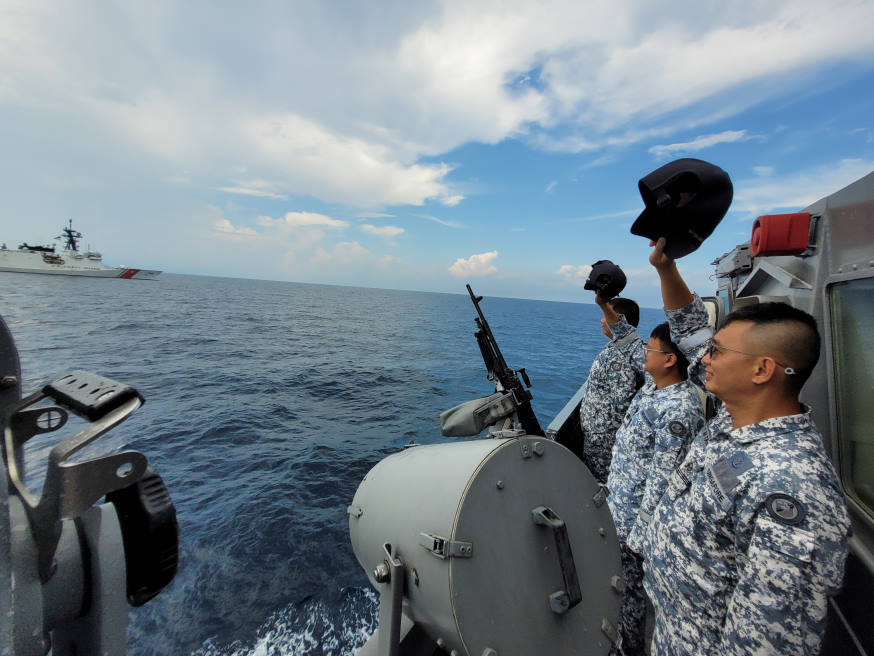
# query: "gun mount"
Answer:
x=488 y=547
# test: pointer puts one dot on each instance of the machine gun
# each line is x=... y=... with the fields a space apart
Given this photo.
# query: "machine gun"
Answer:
x=511 y=401
x=447 y=532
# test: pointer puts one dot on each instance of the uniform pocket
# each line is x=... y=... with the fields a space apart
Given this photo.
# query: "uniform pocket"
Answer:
x=774 y=540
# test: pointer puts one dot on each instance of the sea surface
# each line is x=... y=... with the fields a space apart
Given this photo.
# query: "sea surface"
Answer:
x=266 y=404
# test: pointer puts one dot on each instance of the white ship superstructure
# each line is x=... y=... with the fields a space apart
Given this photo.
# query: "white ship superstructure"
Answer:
x=70 y=262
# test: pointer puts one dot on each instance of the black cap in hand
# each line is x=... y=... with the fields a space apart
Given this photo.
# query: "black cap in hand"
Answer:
x=685 y=201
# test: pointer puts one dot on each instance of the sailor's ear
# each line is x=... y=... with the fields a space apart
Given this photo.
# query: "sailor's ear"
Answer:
x=764 y=369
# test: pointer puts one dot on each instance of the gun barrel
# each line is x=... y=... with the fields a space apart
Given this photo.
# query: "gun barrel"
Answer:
x=499 y=373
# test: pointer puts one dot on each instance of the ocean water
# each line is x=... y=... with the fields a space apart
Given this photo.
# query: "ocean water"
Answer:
x=266 y=404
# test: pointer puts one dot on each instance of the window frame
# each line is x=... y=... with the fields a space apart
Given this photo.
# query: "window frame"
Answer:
x=861 y=510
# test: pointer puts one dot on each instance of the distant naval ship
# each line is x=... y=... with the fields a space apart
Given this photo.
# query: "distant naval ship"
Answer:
x=70 y=262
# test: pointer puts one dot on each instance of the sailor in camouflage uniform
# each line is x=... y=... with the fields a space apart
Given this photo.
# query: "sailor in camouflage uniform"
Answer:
x=653 y=439
x=750 y=537
x=614 y=378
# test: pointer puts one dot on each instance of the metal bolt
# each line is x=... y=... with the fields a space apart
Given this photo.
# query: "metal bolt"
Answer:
x=488 y=651
x=381 y=573
x=538 y=448
x=601 y=532
x=440 y=642
x=8 y=381
x=500 y=485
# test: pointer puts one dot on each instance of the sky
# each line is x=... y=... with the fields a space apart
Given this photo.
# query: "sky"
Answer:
x=418 y=145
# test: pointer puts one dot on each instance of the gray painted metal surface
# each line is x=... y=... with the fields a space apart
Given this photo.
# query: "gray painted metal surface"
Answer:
x=497 y=597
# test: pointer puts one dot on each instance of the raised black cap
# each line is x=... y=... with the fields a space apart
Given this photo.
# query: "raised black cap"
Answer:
x=685 y=201
x=607 y=278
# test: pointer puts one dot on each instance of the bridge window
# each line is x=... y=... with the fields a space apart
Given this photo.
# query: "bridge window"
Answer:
x=852 y=305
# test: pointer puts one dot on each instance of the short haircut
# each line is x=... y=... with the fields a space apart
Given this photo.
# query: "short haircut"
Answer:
x=662 y=332
x=628 y=308
x=790 y=334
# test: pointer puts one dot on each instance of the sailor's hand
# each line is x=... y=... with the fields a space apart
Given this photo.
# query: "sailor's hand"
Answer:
x=657 y=257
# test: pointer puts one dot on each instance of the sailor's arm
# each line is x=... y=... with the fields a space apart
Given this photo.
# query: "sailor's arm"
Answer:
x=790 y=568
x=624 y=334
x=609 y=313
x=675 y=293
x=685 y=311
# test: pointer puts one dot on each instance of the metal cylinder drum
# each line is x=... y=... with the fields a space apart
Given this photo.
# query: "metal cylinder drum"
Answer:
x=480 y=495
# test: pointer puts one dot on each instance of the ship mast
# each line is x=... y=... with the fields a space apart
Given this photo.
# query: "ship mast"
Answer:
x=71 y=237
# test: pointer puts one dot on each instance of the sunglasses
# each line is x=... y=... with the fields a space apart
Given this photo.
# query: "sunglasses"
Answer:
x=716 y=348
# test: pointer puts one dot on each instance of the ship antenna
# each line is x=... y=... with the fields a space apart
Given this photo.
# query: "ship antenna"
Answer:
x=72 y=237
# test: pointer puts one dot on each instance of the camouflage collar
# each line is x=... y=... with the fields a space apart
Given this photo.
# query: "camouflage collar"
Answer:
x=772 y=427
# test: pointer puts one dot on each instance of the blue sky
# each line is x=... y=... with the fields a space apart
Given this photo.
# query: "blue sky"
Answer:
x=418 y=145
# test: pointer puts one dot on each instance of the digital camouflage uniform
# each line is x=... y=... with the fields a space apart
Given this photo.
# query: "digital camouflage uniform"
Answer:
x=652 y=441
x=614 y=378
x=750 y=536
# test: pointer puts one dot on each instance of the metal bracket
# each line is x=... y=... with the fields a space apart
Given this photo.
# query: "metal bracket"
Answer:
x=391 y=594
x=600 y=496
x=560 y=601
x=443 y=548
x=611 y=632
x=524 y=447
x=70 y=488
x=354 y=511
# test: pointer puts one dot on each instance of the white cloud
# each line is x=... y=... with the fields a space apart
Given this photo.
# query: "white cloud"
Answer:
x=866 y=132
x=344 y=168
x=301 y=220
x=374 y=215
x=575 y=275
x=448 y=224
x=383 y=231
x=699 y=143
x=763 y=171
x=476 y=265
x=225 y=226
x=253 y=190
x=756 y=196
x=343 y=254
x=388 y=260
x=550 y=186
x=425 y=80
x=608 y=215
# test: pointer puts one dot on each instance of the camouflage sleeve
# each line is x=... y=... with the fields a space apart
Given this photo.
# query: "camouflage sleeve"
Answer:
x=621 y=328
x=671 y=439
x=790 y=567
x=691 y=332
x=633 y=349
